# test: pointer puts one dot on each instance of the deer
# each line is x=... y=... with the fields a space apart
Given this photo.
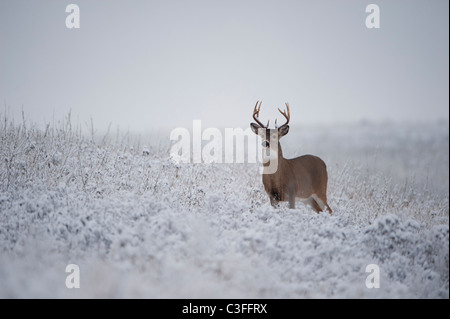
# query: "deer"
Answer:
x=304 y=177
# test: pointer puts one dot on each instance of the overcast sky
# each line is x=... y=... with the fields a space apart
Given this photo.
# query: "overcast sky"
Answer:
x=153 y=64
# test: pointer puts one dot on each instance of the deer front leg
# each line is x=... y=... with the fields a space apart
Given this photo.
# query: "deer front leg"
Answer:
x=274 y=198
x=292 y=201
x=273 y=201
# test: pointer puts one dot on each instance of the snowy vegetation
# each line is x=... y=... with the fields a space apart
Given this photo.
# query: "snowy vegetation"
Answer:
x=139 y=225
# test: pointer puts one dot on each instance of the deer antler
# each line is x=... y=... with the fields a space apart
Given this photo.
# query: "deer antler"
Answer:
x=256 y=114
x=287 y=116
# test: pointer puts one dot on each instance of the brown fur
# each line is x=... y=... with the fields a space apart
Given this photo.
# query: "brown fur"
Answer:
x=300 y=177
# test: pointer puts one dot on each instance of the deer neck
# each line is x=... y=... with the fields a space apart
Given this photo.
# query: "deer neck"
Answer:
x=275 y=154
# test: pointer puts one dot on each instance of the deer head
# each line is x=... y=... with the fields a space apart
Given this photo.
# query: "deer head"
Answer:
x=270 y=135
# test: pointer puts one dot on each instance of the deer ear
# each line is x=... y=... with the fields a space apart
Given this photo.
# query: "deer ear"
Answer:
x=282 y=131
x=255 y=127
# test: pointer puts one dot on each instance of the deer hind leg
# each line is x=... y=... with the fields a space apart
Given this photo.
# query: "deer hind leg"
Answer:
x=311 y=202
x=322 y=202
x=292 y=201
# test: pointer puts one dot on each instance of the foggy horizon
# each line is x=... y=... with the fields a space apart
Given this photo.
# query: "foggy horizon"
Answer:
x=155 y=65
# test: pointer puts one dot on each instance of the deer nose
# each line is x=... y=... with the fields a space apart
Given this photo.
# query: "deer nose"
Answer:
x=265 y=144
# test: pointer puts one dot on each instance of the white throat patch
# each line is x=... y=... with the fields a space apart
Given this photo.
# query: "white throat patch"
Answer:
x=269 y=154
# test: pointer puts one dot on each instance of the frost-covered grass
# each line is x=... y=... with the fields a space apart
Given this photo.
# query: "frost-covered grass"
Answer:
x=139 y=225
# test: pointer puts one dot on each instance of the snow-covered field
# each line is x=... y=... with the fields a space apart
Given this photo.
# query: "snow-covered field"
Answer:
x=139 y=225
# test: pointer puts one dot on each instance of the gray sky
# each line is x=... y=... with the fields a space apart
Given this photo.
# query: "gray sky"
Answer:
x=153 y=64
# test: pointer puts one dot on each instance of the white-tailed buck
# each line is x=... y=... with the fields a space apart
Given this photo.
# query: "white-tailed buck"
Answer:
x=304 y=178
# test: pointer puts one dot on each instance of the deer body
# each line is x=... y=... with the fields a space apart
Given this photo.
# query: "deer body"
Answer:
x=304 y=178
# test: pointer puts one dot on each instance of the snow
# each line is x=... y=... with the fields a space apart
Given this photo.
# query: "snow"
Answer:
x=139 y=225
